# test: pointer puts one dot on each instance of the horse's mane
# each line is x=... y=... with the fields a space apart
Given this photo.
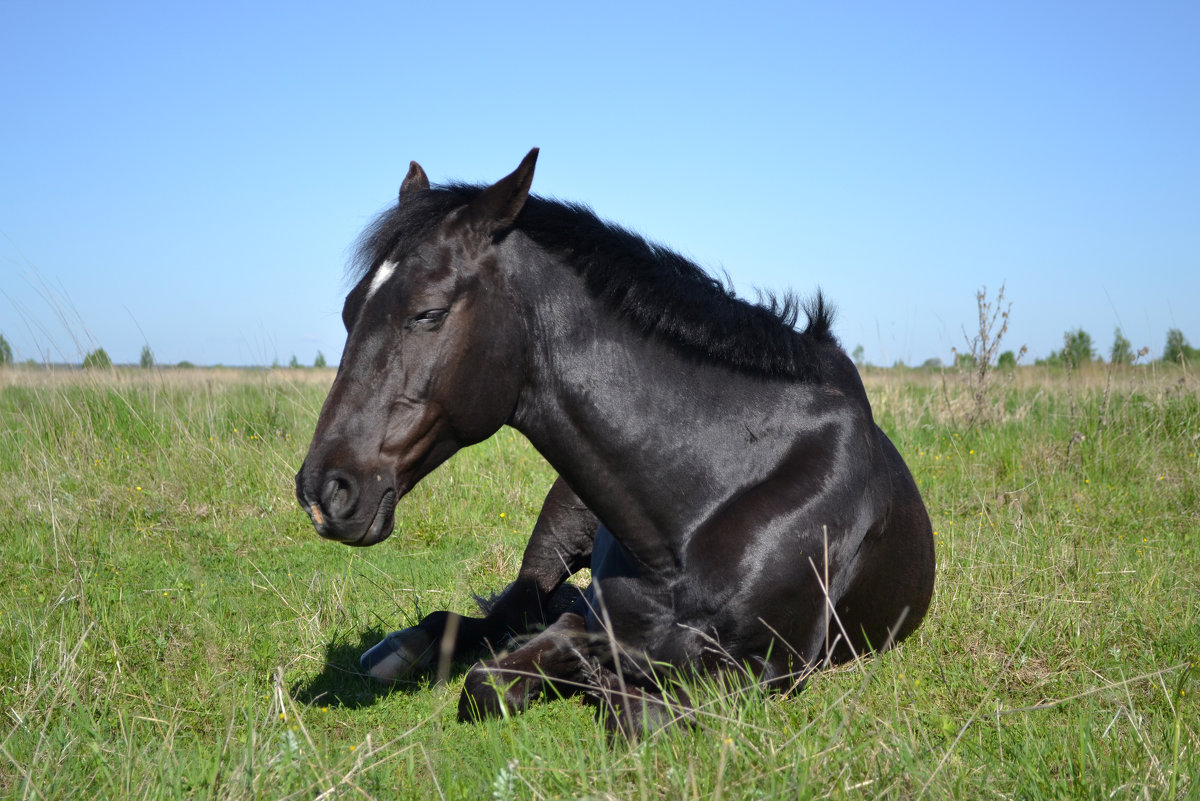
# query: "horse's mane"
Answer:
x=658 y=291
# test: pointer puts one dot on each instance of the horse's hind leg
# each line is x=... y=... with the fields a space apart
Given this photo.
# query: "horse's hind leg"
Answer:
x=560 y=545
x=633 y=709
x=893 y=585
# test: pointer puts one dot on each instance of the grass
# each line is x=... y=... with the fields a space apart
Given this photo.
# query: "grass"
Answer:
x=170 y=627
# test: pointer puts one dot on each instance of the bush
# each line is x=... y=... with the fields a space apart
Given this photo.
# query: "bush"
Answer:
x=979 y=360
x=98 y=359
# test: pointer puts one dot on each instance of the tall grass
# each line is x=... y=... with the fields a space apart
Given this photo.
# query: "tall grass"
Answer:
x=170 y=627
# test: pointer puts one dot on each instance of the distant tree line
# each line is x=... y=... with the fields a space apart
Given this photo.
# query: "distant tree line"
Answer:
x=98 y=359
x=1078 y=350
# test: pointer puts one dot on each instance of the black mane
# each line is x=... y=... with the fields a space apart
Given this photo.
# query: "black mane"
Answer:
x=657 y=290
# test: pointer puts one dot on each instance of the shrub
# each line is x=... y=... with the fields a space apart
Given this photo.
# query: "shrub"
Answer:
x=980 y=358
x=98 y=359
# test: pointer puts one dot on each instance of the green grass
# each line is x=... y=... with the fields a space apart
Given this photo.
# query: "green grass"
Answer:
x=170 y=627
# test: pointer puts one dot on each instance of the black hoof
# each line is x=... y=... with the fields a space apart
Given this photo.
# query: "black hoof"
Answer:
x=399 y=655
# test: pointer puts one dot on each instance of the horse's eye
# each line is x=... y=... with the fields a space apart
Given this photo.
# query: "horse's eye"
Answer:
x=428 y=318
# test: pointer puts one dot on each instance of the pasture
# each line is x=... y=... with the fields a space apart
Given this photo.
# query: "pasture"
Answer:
x=171 y=627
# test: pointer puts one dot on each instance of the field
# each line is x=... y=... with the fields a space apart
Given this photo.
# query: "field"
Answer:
x=171 y=627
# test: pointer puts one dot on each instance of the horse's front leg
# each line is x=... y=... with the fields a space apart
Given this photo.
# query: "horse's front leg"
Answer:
x=567 y=660
x=556 y=660
x=560 y=545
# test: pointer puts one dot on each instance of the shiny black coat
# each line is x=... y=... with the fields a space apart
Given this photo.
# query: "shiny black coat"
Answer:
x=720 y=472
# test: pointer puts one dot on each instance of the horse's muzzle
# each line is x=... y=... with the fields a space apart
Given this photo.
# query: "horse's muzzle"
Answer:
x=337 y=513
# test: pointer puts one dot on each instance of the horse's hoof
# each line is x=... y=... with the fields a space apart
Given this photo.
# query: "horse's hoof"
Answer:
x=398 y=655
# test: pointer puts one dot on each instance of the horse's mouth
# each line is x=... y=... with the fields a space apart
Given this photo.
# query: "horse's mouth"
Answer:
x=382 y=524
x=379 y=529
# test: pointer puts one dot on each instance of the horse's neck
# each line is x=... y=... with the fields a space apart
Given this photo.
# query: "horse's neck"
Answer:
x=651 y=440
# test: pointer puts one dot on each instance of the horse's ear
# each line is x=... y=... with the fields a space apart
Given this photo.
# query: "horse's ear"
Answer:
x=497 y=207
x=415 y=182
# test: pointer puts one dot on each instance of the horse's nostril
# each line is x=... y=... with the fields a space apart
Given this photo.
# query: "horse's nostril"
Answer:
x=339 y=495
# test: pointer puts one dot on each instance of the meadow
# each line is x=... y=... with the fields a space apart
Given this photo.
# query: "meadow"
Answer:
x=171 y=627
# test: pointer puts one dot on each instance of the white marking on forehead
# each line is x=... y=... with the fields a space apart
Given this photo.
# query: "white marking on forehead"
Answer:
x=380 y=278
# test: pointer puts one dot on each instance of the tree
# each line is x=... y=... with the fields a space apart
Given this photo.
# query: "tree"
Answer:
x=859 y=356
x=1121 y=351
x=147 y=357
x=320 y=360
x=6 y=357
x=1077 y=348
x=294 y=362
x=1007 y=361
x=98 y=359
x=1178 y=350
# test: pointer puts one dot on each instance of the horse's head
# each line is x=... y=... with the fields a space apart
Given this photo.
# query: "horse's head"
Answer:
x=434 y=361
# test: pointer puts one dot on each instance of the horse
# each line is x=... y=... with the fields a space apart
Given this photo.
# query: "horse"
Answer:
x=719 y=468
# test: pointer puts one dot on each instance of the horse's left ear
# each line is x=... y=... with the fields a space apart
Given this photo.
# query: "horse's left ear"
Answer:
x=415 y=182
x=497 y=207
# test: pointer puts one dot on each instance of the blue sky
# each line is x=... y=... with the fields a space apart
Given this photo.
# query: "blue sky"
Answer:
x=192 y=175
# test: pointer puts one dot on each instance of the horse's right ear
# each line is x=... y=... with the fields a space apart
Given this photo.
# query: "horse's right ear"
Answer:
x=499 y=204
x=415 y=182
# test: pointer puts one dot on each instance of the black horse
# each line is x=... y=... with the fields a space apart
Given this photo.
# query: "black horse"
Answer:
x=720 y=471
